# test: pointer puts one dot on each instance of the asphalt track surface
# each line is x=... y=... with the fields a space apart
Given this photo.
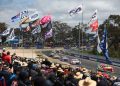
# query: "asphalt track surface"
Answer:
x=92 y=65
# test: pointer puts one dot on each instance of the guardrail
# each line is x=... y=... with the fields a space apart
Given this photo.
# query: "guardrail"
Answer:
x=95 y=58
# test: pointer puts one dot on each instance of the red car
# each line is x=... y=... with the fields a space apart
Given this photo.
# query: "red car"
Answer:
x=105 y=67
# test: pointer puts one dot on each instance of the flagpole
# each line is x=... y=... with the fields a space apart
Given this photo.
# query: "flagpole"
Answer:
x=97 y=46
x=15 y=44
x=22 y=41
x=32 y=46
x=97 y=52
x=79 y=36
x=82 y=30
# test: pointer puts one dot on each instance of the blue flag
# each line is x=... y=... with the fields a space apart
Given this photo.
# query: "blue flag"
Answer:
x=16 y=17
x=104 y=46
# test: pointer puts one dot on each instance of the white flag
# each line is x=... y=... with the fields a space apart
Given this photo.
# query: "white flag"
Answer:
x=93 y=24
x=94 y=17
x=6 y=32
x=11 y=36
x=76 y=10
x=98 y=46
x=34 y=16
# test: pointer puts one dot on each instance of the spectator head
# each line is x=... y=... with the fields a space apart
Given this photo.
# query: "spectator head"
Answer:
x=78 y=75
x=60 y=70
x=52 y=66
x=87 y=82
x=6 y=67
x=1 y=66
x=14 y=54
x=118 y=79
x=23 y=75
x=46 y=59
x=24 y=64
x=3 y=49
x=39 y=81
x=8 y=53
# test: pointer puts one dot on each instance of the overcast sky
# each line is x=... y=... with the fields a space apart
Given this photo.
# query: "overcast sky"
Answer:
x=59 y=9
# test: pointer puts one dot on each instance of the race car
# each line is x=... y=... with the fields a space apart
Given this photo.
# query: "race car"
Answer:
x=105 y=68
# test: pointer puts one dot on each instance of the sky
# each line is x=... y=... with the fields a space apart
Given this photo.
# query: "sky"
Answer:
x=59 y=9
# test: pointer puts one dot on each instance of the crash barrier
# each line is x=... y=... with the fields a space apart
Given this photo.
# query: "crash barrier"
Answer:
x=96 y=58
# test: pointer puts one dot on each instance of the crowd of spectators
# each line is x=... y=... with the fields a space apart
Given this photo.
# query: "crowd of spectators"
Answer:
x=19 y=71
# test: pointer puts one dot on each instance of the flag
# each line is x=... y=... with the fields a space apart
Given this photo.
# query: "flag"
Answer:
x=48 y=26
x=93 y=23
x=36 y=30
x=94 y=26
x=45 y=20
x=23 y=20
x=24 y=25
x=36 y=23
x=34 y=16
x=21 y=16
x=11 y=36
x=104 y=46
x=6 y=32
x=94 y=16
x=16 y=17
x=76 y=10
x=98 y=46
x=28 y=28
x=49 y=34
x=24 y=14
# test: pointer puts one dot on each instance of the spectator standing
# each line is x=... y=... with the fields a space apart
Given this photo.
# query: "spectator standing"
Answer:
x=7 y=58
x=3 y=54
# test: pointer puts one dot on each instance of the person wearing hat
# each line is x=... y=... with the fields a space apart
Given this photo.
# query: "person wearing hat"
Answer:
x=24 y=78
x=24 y=64
x=78 y=75
x=87 y=82
x=60 y=70
x=3 y=54
x=117 y=82
x=52 y=66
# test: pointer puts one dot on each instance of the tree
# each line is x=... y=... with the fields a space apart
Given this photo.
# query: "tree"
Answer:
x=60 y=31
x=3 y=26
x=113 y=28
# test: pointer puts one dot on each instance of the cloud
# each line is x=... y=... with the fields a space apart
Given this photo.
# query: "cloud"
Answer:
x=59 y=9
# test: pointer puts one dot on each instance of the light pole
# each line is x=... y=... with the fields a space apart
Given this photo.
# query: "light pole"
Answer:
x=79 y=34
